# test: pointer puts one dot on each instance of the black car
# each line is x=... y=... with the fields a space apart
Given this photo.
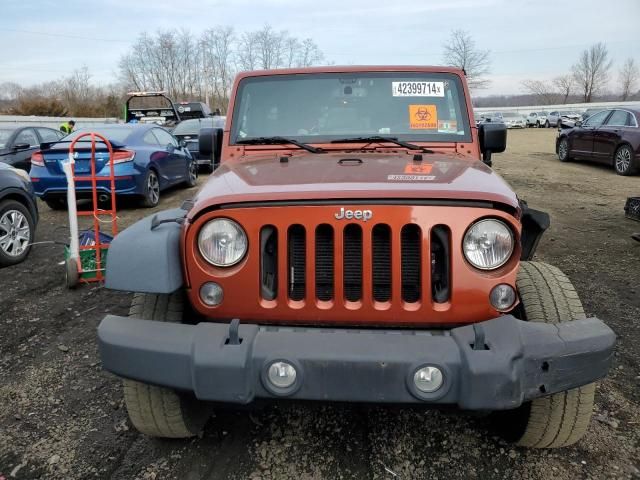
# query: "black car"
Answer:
x=18 y=143
x=610 y=136
x=18 y=215
x=188 y=131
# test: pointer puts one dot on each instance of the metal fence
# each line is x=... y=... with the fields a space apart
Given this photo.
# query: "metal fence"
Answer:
x=569 y=107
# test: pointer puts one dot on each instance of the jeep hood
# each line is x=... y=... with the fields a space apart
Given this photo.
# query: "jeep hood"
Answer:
x=354 y=175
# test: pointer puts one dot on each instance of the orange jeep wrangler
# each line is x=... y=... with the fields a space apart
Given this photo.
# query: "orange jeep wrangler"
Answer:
x=353 y=245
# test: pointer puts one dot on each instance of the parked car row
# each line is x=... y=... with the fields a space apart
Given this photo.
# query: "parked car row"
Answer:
x=540 y=119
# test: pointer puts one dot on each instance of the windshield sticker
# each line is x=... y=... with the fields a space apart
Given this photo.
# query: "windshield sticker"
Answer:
x=423 y=117
x=417 y=89
x=410 y=178
x=447 y=126
x=418 y=168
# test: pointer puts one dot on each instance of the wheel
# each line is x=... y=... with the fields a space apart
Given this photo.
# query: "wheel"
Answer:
x=71 y=274
x=210 y=166
x=159 y=411
x=56 y=203
x=563 y=150
x=623 y=161
x=16 y=232
x=561 y=419
x=538 y=124
x=151 y=195
x=546 y=124
x=192 y=179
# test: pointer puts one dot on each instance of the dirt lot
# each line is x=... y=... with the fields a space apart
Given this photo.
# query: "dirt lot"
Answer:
x=61 y=416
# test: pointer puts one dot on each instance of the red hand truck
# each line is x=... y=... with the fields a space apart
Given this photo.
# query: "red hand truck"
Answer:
x=86 y=262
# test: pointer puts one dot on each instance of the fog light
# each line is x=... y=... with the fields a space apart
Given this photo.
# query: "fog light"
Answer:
x=282 y=374
x=428 y=379
x=502 y=297
x=211 y=294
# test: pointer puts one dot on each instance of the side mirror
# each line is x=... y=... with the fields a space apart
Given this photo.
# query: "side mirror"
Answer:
x=578 y=123
x=210 y=143
x=21 y=146
x=493 y=139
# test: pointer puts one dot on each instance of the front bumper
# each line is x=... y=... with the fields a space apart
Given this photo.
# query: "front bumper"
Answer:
x=516 y=361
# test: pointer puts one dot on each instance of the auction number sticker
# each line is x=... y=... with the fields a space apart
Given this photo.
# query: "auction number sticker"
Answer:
x=417 y=89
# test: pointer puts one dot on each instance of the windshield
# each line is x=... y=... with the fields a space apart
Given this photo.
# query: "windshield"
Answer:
x=5 y=133
x=321 y=108
x=192 y=127
x=542 y=113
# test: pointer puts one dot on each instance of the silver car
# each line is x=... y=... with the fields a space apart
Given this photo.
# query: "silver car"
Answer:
x=554 y=118
x=514 y=119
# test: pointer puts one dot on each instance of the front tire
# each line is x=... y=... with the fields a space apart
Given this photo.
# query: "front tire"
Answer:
x=17 y=231
x=546 y=124
x=192 y=174
x=563 y=150
x=561 y=419
x=623 y=161
x=159 y=411
x=151 y=195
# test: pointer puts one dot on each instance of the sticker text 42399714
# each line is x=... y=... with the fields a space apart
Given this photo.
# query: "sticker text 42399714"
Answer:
x=417 y=89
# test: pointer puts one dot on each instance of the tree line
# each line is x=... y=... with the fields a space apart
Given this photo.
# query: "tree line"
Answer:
x=589 y=79
x=202 y=66
x=187 y=66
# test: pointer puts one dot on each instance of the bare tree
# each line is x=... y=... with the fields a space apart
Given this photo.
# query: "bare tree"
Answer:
x=460 y=51
x=542 y=90
x=628 y=76
x=591 y=72
x=564 y=84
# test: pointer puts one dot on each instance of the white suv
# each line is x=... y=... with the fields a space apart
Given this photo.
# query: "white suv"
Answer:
x=537 y=119
x=554 y=118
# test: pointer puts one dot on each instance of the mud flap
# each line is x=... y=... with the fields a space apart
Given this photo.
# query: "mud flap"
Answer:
x=534 y=224
x=146 y=256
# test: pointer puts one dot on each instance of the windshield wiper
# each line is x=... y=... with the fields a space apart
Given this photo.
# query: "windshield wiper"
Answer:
x=381 y=138
x=279 y=141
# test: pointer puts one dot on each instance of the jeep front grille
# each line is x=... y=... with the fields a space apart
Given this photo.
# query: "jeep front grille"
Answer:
x=364 y=256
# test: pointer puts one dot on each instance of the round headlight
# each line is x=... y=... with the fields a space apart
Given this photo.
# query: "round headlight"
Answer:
x=222 y=242
x=488 y=244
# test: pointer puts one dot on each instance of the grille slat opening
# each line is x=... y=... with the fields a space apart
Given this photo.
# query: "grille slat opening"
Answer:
x=440 y=263
x=269 y=262
x=297 y=262
x=381 y=257
x=324 y=262
x=411 y=260
x=352 y=262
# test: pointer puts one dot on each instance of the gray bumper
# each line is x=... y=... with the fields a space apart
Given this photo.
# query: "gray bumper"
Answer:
x=519 y=361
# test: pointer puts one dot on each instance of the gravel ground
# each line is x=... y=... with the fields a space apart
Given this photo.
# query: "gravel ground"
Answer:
x=61 y=416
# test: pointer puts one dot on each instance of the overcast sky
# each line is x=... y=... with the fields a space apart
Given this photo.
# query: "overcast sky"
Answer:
x=46 y=39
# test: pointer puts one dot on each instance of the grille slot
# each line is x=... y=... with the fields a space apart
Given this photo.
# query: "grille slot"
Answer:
x=440 y=263
x=410 y=239
x=352 y=262
x=297 y=263
x=324 y=262
x=269 y=262
x=381 y=256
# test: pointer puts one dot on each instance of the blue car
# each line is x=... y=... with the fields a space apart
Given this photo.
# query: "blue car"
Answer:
x=147 y=159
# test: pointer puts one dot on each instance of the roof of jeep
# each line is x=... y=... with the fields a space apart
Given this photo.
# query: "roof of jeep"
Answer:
x=350 y=68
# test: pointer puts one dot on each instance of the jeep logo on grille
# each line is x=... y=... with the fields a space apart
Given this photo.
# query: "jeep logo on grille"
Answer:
x=363 y=215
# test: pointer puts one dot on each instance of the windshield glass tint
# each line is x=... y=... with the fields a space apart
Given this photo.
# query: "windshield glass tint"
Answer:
x=324 y=107
x=192 y=127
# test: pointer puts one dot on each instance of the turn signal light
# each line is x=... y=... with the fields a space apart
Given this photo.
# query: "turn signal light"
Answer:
x=37 y=159
x=121 y=156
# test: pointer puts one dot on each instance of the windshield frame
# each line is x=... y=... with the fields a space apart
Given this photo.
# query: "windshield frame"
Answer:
x=462 y=107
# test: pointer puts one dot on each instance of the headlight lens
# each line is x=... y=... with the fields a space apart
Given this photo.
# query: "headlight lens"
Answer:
x=488 y=244
x=222 y=242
